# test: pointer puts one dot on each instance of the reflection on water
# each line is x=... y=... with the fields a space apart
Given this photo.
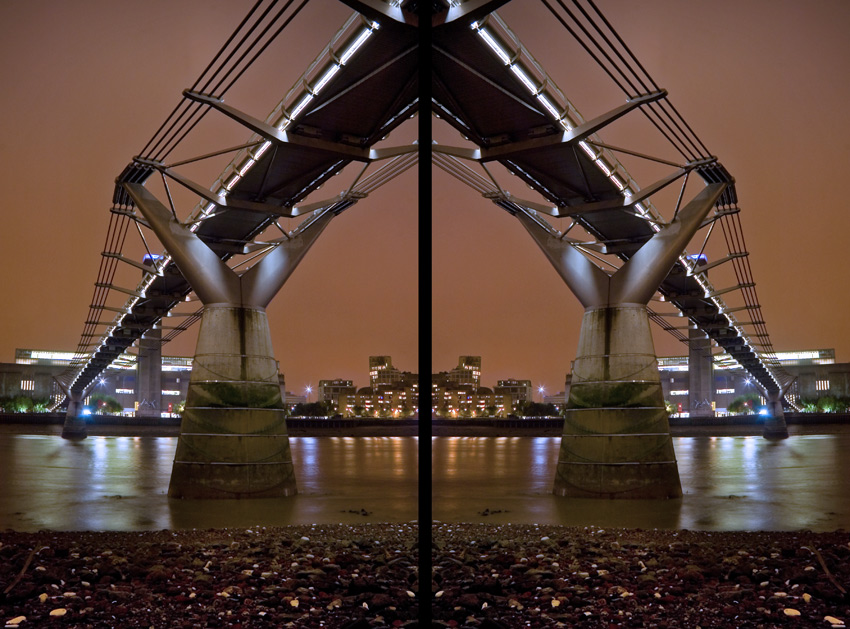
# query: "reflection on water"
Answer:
x=730 y=483
x=121 y=483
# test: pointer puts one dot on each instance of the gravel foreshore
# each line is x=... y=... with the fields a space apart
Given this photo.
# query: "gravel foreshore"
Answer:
x=485 y=576
x=301 y=577
x=547 y=576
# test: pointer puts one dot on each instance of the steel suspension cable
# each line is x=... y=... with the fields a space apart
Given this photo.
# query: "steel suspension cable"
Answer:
x=679 y=140
x=211 y=63
x=186 y=115
x=647 y=75
x=242 y=71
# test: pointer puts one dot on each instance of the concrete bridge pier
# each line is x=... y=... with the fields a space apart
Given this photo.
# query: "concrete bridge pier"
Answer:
x=616 y=441
x=775 y=427
x=75 y=422
x=149 y=374
x=233 y=438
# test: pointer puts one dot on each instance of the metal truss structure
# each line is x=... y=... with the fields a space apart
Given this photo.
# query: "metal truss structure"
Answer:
x=490 y=88
x=487 y=86
x=361 y=87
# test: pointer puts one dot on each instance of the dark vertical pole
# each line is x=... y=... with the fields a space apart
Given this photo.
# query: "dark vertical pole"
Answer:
x=425 y=370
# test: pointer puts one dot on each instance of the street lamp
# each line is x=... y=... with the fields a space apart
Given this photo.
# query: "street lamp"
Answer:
x=541 y=390
x=309 y=390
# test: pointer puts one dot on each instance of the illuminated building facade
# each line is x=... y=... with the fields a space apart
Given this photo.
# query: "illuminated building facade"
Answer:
x=518 y=390
x=331 y=390
x=816 y=372
x=391 y=393
x=32 y=375
x=458 y=392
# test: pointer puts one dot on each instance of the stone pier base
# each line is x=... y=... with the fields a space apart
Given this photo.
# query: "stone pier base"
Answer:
x=616 y=441
x=74 y=427
x=233 y=440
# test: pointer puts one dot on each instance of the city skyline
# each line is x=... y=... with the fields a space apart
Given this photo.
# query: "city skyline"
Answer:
x=757 y=82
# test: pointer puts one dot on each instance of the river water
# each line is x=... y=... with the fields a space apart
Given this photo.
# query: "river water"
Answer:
x=120 y=483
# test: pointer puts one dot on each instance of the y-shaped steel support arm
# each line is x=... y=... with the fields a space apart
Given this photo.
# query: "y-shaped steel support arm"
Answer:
x=212 y=280
x=637 y=280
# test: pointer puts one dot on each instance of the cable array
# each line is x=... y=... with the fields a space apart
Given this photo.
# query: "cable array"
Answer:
x=594 y=33
x=248 y=41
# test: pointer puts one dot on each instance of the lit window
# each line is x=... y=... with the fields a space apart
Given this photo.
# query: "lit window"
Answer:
x=822 y=385
x=27 y=385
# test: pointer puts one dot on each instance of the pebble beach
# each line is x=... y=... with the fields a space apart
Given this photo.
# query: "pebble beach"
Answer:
x=485 y=576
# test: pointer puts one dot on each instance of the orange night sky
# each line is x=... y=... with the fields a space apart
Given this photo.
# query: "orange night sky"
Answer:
x=86 y=83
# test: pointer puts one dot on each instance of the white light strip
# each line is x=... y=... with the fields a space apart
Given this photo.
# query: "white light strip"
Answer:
x=524 y=78
x=494 y=46
x=345 y=57
x=263 y=148
x=326 y=77
x=625 y=190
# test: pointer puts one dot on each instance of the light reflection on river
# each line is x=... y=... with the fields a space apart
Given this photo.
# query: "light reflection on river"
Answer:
x=730 y=483
x=120 y=483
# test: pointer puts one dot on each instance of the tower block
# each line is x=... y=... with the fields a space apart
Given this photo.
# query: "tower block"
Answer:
x=233 y=439
x=616 y=441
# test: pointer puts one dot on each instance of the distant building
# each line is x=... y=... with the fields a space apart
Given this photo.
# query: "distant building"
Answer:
x=558 y=399
x=816 y=372
x=518 y=390
x=466 y=374
x=382 y=372
x=334 y=391
x=392 y=392
x=458 y=392
x=293 y=399
x=32 y=374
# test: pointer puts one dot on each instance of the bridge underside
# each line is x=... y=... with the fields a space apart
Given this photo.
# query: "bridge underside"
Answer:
x=487 y=86
x=363 y=85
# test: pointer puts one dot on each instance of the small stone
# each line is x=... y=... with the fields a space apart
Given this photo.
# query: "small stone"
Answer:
x=807 y=597
x=61 y=611
x=515 y=604
x=439 y=594
x=556 y=602
x=294 y=602
x=790 y=612
x=17 y=620
x=832 y=620
x=411 y=594
x=69 y=594
x=42 y=597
